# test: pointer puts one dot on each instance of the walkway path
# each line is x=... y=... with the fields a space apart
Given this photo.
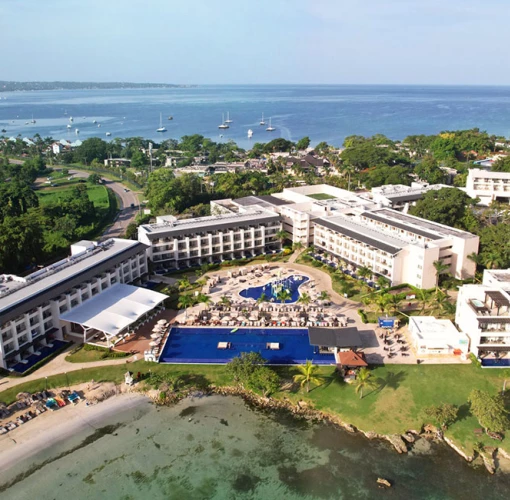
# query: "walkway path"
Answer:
x=57 y=366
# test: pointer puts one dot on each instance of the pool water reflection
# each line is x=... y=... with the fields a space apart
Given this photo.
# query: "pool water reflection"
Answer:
x=270 y=290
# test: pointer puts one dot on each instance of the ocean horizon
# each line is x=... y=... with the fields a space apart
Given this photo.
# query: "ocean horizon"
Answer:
x=324 y=112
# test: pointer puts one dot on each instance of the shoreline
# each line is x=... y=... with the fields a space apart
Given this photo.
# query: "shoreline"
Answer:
x=34 y=437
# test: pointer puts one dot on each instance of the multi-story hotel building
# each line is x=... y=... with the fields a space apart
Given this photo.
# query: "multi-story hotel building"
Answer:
x=31 y=307
x=184 y=243
x=348 y=226
x=401 y=247
x=483 y=313
x=488 y=186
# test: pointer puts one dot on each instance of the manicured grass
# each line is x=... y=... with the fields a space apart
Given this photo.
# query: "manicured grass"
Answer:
x=395 y=406
x=403 y=392
x=81 y=355
x=321 y=196
x=97 y=194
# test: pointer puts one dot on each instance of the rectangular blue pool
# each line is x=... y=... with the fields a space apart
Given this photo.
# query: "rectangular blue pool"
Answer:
x=200 y=345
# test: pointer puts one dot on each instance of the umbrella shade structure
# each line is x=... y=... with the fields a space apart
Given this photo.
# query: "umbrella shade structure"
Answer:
x=226 y=318
x=162 y=322
x=153 y=343
x=155 y=336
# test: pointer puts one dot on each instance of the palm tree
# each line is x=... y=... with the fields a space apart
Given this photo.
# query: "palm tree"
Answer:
x=395 y=301
x=225 y=301
x=307 y=375
x=382 y=303
x=283 y=295
x=422 y=297
x=263 y=298
x=492 y=260
x=282 y=235
x=364 y=380
x=204 y=299
x=184 y=283
x=304 y=298
x=364 y=272
x=383 y=282
x=185 y=300
x=324 y=295
x=298 y=246
x=441 y=268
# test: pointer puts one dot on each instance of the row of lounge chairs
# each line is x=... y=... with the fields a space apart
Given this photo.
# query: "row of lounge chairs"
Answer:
x=41 y=401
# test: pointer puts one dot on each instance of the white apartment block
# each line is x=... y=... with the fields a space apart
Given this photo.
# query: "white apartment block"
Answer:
x=400 y=247
x=183 y=243
x=488 y=186
x=483 y=313
x=31 y=306
x=401 y=197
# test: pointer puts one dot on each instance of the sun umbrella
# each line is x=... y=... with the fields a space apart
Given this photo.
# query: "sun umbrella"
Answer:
x=153 y=343
x=284 y=318
x=155 y=336
x=162 y=322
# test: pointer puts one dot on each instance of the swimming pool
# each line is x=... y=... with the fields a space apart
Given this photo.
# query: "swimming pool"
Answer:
x=496 y=363
x=200 y=345
x=271 y=289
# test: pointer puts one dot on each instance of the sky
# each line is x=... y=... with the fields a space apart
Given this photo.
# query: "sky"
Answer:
x=257 y=41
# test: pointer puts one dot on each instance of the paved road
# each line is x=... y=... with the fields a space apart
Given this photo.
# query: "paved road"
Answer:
x=126 y=198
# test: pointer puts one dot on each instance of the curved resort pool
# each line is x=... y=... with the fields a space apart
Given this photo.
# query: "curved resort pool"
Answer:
x=270 y=290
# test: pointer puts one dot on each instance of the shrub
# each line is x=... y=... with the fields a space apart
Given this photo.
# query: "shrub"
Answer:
x=363 y=316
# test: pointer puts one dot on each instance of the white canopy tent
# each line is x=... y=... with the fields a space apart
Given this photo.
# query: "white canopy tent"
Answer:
x=113 y=310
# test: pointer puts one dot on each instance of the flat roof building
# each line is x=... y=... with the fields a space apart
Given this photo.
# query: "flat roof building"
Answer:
x=31 y=307
x=488 y=186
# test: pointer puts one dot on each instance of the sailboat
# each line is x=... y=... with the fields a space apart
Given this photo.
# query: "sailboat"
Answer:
x=270 y=128
x=223 y=124
x=228 y=120
x=250 y=133
x=69 y=126
x=76 y=131
x=262 y=122
x=32 y=121
x=161 y=128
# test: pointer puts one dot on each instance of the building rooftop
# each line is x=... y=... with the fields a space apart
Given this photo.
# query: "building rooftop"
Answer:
x=335 y=337
x=211 y=222
x=360 y=231
x=16 y=290
x=263 y=200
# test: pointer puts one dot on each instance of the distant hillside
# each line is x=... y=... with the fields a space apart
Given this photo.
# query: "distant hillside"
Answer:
x=12 y=86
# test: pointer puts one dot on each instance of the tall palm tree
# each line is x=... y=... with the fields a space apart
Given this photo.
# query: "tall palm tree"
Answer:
x=263 y=298
x=422 y=297
x=383 y=282
x=441 y=268
x=364 y=272
x=324 y=295
x=298 y=246
x=382 y=303
x=364 y=380
x=283 y=295
x=307 y=375
x=304 y=298
x=492 y=260
x=395 y=301
x=185 y=300
x=225 y=301
x=204 y=299
x=183 y=283
x=282 y=235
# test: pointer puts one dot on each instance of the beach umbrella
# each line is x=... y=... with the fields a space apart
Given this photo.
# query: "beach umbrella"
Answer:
x=162 y=322
x=23 y=395
x=284 y=318
x=155 y=336
x=153 y=343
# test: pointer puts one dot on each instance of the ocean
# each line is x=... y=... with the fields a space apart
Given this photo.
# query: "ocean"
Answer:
x=322 y=112
x=218 y=448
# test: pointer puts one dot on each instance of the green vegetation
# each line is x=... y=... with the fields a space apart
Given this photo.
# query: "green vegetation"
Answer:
x=87 y=353
x=443 y=415
x=307 y=374
x=321 y=196
x=98 y=195
x=489 y=410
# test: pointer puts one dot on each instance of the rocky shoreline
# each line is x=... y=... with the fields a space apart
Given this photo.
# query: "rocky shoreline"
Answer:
x=402 y=443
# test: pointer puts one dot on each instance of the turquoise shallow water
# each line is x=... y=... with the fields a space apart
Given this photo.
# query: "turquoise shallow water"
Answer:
x=218 y=448
x=323 y=112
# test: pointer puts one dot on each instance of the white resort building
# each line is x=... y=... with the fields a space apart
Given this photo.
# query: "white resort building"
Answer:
x=347 y=226
x=182 y=243
x=483 y=313
x=33 y=308
x=488 y=186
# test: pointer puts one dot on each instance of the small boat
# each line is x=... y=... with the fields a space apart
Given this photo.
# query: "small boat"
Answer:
x=170 y=117
x=71 y=119
x=32 y=121
x=98 y=125
x=228 y=120
x=234 y=330
x=250 y=133
x=108 y=134
x=223 y=124
x=94 y=121
x=69 y=126
x=262 y=122
x=270 y=128
x=77 y=131
x=4 y=131
x=161 y=128
x=27 y=123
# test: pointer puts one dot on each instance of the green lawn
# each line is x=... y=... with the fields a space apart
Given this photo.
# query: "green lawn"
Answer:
x=394 y=407
x=97 y=194
x=81 y=355
x=321 y=196
x=404 y=391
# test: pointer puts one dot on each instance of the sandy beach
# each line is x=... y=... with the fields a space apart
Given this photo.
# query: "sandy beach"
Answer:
x=53 y=428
